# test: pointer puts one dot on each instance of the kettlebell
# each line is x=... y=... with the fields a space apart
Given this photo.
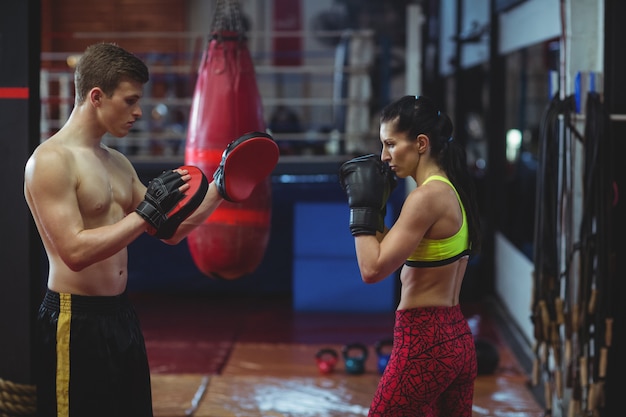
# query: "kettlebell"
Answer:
x=487 y=357
x=326 y=359
x=355 y=364
x=383 y=353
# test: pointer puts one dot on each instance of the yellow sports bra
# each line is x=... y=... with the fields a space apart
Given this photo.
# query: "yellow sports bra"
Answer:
x=438 y=252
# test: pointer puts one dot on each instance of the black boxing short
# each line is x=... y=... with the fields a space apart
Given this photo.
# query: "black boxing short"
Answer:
x=91 y=358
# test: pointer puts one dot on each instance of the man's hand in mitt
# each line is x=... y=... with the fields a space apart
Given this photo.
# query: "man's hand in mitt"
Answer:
x=165 y=207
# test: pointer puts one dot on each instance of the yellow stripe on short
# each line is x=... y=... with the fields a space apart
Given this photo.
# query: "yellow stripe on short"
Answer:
x=63 y=356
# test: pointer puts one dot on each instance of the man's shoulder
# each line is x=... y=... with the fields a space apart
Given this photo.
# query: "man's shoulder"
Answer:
x=49 y=159
x=49 y=149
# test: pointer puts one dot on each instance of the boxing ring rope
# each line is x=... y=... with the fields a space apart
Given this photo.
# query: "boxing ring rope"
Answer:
x=317 y=105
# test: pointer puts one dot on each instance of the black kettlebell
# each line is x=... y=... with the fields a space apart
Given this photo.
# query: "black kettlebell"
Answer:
x=355 y=364
x=487 y=357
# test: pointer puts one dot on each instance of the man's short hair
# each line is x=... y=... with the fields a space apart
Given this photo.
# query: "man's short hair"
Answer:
x=105 y=65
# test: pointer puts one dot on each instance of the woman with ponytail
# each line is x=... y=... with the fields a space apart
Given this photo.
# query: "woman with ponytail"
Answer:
x=433 y=366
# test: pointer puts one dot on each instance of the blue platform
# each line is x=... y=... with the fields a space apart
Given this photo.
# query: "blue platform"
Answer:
x=326 y=275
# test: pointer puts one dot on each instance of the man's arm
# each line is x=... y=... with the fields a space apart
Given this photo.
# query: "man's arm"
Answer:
x=51 y=191
x=245 y=162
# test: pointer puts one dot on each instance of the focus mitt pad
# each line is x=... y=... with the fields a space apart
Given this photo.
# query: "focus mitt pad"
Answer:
x=198 y=187
x=245 y=163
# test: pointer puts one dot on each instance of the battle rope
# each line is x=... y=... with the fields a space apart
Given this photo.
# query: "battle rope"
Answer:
x=597 y=256
x=17 y=399
x=572 y=307
x=551 y=193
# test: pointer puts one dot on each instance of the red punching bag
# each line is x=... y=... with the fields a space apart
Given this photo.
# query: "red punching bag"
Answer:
x=226 y=104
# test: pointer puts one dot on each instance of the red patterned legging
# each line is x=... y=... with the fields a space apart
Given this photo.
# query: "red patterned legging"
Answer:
x=432 y=367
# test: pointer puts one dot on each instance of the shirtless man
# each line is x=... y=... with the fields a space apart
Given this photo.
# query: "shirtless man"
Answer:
x=432 y=367
x=84 y=198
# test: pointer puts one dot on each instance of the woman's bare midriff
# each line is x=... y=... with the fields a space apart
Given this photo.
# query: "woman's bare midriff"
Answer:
x=430 y=287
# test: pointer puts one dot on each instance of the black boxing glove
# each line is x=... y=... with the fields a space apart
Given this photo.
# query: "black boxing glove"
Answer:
x=161 y=197
x=368 y=182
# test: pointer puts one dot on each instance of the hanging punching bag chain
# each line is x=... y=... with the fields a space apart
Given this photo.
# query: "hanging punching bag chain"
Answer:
x=227 y=18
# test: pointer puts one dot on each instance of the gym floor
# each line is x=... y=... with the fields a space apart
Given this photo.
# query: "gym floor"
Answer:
x=254 y=356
